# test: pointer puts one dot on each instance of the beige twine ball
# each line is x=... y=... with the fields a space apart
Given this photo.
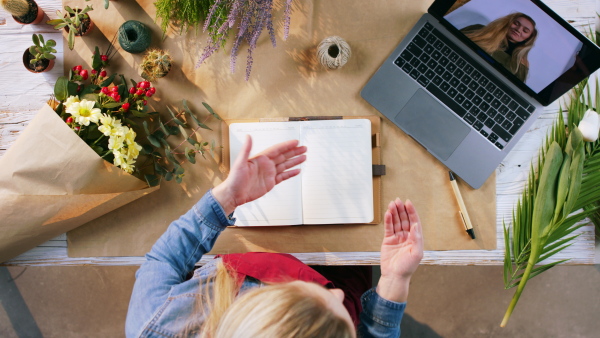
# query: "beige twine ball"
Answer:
x=333 y=52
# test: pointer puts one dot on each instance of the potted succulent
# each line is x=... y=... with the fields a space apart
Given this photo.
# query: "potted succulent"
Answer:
x=39 y=58
x=23 y=11
x=76 y=22
x=155 y=64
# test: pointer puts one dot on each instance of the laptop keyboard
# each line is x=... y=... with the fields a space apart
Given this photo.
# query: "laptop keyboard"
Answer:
x=490 y=107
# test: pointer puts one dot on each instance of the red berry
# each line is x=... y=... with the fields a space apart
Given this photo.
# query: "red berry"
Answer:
x=144 y=84
x=115 y=89
x=69 y=120
x=140 y=92
x=153 y=90
x=125 y=106
x=77 y=69
x=94 y=72
x=148 y=93
x=84 y=74
x=132 y=90
x=104 y=58
x=77 y=128
x=145 y=102
x=103 y=73
x=79 y=88
x=105 y=90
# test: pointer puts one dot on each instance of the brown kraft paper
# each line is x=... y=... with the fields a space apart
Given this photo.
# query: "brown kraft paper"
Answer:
x=51 y=182
x=285 y=81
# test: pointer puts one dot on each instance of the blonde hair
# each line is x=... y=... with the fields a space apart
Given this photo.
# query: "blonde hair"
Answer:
x=492 y=38
x=278 y=310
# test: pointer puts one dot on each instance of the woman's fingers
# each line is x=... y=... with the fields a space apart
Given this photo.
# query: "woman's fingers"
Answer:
x=290 y=163
x=244 y=152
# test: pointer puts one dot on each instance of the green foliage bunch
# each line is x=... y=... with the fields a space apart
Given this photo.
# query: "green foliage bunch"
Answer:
x=155 y=64
x=17 y=8
x=42 y=49
x=72 y=20
x=184 y=14
x=163 y=156
x=547 y=214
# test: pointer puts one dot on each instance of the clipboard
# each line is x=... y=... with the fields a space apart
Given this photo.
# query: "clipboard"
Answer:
x=378 y=167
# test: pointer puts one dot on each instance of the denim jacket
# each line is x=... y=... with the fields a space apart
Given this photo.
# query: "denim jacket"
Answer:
x=164 y=303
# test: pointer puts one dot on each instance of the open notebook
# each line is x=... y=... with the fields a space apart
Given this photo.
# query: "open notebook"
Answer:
x=336 y=181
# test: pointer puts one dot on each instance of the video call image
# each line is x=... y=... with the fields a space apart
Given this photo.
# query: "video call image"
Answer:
x=519 y=36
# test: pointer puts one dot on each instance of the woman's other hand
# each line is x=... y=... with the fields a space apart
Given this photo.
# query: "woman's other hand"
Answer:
x=251 y=178
x=401 y=250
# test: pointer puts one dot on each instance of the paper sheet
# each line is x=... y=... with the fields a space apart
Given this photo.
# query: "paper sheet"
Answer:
x=285 y=81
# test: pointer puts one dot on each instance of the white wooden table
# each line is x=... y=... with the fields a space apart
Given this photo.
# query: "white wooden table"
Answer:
x=23 y=93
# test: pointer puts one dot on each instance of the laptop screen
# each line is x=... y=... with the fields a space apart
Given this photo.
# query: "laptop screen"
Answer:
x=525 y=40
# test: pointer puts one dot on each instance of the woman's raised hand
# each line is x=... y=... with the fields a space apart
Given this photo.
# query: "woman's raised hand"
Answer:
x=251 y=178
x=401 y=250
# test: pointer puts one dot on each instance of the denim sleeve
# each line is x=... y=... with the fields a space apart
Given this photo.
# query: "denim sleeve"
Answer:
x=380 y=317
x=172 y=257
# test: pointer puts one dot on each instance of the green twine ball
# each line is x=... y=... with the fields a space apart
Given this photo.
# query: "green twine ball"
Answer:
x=134 y=37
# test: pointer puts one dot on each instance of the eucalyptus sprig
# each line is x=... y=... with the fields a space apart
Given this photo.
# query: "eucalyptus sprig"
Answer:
x=167 y=160
x=555 y=201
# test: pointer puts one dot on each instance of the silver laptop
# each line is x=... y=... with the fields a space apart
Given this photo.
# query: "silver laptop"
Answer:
x=471 y=78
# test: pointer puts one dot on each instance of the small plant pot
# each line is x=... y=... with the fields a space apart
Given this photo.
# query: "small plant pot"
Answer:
x=34 y=17
x=44 y=65
x=87 y=26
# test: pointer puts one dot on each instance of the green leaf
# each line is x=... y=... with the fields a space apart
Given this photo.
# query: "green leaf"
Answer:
x=171 y=158
x=138 y=113
x=153 y=140
x=147 y=149
x=111 y=105
x=179 y=179
x=108 y=80
x=61 y=91
x=192 y=141
x=96 y=60
x=51 y=43
x=179 y=170
x=145 y=124
x=152 y=180
x=71 y=39
x=163 y=128
x=187 y=110
x=36 y=40
x=210 y=110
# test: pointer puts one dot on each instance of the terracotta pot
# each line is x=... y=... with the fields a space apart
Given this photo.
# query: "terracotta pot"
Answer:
x=38 y=18
x=89 y=29
x=27 y=57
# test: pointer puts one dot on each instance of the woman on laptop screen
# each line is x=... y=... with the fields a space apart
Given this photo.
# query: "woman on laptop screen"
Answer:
x=508 y=40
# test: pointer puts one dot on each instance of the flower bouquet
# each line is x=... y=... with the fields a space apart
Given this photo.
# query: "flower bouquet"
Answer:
x=74 y=161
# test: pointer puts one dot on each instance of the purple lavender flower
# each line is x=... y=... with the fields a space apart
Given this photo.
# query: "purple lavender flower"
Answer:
x=252 y=17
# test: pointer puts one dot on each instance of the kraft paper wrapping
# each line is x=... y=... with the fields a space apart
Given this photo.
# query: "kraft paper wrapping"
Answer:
x=51 y=182
x=285 y=81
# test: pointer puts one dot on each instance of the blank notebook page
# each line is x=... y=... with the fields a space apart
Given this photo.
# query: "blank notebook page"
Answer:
x=283 y=204
x=337 y=177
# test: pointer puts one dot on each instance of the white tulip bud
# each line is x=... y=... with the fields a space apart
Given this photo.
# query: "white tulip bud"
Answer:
x=590 y=126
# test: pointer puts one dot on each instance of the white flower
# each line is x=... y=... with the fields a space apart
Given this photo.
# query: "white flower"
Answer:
x=590 y=126
x=84 y=112
x=133 y=150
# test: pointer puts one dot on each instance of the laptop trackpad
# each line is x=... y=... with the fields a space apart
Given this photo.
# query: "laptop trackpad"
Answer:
x=432 y=125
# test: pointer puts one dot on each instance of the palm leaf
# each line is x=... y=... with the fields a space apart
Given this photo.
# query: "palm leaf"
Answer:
x=541 y=228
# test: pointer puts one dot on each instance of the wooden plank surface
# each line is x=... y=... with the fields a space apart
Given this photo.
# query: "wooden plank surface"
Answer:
x=22 y=93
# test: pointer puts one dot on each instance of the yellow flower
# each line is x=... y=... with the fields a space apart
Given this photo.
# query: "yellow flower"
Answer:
x=110 y=126
x=115 y=142
x=72 y=99
x=84 y=112
x=130 y=137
